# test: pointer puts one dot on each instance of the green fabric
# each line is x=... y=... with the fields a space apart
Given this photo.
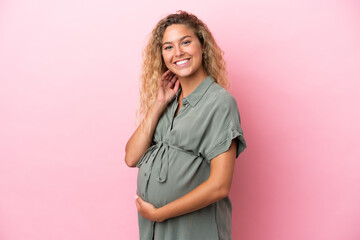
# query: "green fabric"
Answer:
x=179 y=161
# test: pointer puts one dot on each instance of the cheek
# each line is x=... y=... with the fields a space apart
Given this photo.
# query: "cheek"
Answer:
x=196 y=51
x=199 y=56
x=166 y=59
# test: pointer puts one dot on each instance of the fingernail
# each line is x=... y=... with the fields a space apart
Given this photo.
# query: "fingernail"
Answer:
x=136 y=196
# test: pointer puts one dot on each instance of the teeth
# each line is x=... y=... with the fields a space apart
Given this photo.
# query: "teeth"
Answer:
x=182 y=62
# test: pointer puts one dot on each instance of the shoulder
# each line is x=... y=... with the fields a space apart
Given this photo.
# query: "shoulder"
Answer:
x=219 y=97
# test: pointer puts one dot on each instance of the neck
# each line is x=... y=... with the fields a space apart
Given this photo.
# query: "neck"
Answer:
x=188 y=84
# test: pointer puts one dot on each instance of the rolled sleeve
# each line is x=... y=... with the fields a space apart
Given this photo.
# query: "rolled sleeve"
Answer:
x=224 y=127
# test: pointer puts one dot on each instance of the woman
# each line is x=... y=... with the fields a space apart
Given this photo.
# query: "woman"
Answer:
x=186 y=145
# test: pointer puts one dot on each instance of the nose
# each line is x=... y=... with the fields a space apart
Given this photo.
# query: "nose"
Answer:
x=178 y=51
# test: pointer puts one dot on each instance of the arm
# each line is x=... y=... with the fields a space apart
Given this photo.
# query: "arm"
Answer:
x=141 y=139
x=216 y=187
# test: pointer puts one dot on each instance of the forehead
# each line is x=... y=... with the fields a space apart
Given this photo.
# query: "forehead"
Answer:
x=175 y=32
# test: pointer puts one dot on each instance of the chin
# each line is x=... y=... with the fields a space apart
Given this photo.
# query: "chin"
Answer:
x=183 y=74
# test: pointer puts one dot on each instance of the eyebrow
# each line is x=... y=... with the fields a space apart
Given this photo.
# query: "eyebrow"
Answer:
x=180 y=39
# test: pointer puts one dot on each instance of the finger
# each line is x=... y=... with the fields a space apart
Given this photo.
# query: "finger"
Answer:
x=166 y=72
x=170 y=75
x=168 y=84
x=177 y=85
x=172 y=81
x=139 y=199
x=137 y=205
x=166 y=75
x=174 y=78
x=167 y=79
x=161 y=79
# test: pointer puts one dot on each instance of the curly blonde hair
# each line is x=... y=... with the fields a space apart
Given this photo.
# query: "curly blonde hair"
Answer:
x=153 y=65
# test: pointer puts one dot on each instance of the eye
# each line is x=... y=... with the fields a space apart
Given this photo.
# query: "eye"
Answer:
x=167 y=47
x=186 y=42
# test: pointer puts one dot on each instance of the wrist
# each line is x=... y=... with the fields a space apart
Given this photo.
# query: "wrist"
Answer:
x=160 y=215
x=159 y=107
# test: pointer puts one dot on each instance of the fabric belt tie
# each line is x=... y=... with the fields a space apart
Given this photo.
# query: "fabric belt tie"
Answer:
x=164 y=164
x=162 y=148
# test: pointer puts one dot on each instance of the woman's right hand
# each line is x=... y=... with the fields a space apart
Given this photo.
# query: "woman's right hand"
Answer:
x=141 y=139
x=168 y=85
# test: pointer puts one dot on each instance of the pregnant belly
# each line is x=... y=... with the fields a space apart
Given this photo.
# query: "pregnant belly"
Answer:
x=185 y=173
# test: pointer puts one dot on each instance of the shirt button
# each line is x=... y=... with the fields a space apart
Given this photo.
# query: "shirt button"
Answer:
x=145 y=174
x=166 y=139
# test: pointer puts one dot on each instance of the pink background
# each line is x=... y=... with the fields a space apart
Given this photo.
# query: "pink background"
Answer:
x=69 y=89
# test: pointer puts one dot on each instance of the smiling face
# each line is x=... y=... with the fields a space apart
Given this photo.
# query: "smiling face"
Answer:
x=182 y=51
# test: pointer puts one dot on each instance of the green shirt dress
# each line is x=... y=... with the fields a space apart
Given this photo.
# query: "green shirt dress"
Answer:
x=179 y=160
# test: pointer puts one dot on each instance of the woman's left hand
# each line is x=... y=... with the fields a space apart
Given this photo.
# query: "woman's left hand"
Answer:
x=147 y=210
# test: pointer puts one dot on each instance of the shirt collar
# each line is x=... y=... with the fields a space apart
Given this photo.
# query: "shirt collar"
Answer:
x=194 y=97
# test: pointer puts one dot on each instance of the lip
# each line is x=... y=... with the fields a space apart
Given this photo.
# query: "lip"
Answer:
x=184 y=64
